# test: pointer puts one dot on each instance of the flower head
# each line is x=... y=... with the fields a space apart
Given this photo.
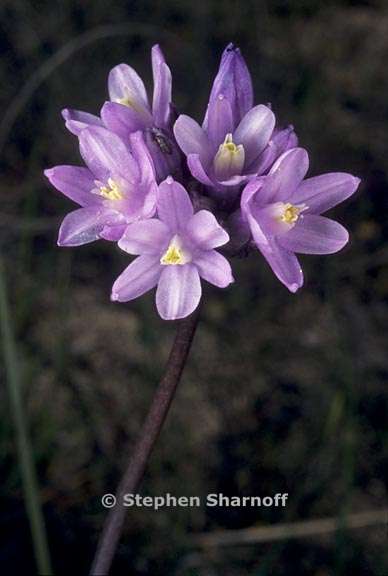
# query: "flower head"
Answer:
x=174 y=251
x=129 y=111
x=252 y=175
x=117 y=187
x=283 y=212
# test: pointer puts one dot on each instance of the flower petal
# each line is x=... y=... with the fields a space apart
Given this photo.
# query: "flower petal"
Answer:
x=75 y=182
x=125 y=84
x=315 y=235
x=142 y=156
x=122 y=120
x=214 y=268
x=85 y=225
x=191 y=138
x=286 y=175
x=106 y=155
x=174 y=205
x=321 y=193
x=198 y=171
x=284 y=264
x=220 y=121
x=205 y=231
x=146 y=237
x=139 y=277
x=254 y=131
x=179 y=291
x=234 y=82
x=113 y=233
x=76 y=120
x=162 y=88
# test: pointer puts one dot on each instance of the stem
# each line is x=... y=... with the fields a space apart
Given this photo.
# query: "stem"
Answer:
x=151 y=429
x=27 y=468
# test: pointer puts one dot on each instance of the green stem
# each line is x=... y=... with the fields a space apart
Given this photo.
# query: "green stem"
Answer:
x=27 y=467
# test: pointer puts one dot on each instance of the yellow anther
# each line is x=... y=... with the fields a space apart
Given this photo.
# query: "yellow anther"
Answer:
x=112 y=191
x=291 y=213
x=125 y=102
x=174 y=254
x=228 y=144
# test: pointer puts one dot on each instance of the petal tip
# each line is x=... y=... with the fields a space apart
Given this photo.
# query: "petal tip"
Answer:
x=294 y=287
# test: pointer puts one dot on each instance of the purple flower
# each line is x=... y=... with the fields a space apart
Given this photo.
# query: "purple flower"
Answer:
x=116 y=188
x=174 y=252
x=224 y=155
x=129 y=111
x=283 y=212
x=236 y=141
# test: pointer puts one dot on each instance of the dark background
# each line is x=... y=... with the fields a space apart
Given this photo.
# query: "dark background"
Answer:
x=282 y=393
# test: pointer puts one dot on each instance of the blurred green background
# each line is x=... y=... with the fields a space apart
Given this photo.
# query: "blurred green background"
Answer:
x=282 y=393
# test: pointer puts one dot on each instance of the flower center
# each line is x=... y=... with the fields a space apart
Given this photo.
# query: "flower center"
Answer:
x=131 y=102
x=112 y=191
x=229 y=160
x=174 y=254
x=291 y=213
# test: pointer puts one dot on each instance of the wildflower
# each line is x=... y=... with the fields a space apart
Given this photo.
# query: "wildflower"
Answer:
x=236 y=141
x=283 y=211
x=129 y=111
x=174 y=251
x=117 y=187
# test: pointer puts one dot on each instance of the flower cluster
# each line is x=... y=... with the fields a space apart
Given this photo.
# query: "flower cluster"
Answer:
x=171 y=191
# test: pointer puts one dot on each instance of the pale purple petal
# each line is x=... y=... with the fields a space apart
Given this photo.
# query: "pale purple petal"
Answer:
x=265 y=160
x=284 y=264
x=76 y=120
x=174 y=205
x=254 y=131
x=284 y=139
x=113 y=233
x=220 y=121
x=139 y=277
x=234 y=82
x=162 y=88
x=106 y=155
x=236 y=180
x=191 y=138
x=286 y=175
x=85 y=225
x=205 y=231
x=258 y=233
x=198 y=171
x=75 y=182
x=321 y=193
x=123 y=120
x=142 y=157
x=124 y=83
x=315 y=235
x=250 y=208
x=214 y=268
x=146 y=237
x=179 y=291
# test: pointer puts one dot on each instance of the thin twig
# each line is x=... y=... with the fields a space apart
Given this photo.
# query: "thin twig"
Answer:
x=304 y=529
x=151 y=429
x=27 y=467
